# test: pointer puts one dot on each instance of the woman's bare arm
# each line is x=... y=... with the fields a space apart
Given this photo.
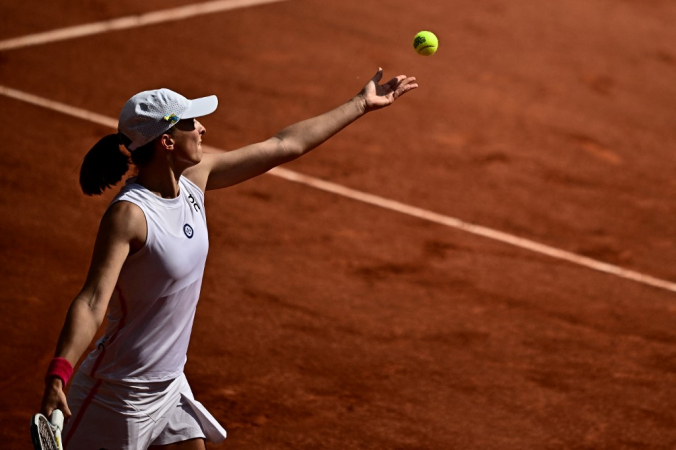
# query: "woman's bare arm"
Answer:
x=122 y=227
x=225 y=169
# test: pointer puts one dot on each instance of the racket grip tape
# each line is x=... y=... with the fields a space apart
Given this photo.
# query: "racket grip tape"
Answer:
x=57 y=419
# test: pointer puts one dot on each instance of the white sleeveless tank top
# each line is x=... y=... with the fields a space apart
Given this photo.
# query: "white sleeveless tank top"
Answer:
x=151 y=311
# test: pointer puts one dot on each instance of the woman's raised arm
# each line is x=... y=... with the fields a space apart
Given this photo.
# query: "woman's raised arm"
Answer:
x=225 y=169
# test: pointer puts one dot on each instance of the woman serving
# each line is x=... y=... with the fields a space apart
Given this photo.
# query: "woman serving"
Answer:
x=148 y=264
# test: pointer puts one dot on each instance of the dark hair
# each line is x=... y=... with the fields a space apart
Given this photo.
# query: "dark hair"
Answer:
x=105 y=164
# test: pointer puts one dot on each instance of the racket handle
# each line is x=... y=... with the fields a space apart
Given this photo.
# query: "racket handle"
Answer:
x=57 y=419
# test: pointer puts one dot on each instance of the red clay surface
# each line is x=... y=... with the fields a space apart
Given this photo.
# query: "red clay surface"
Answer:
x=327 y=323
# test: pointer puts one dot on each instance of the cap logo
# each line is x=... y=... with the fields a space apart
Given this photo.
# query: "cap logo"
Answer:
x=171 y=118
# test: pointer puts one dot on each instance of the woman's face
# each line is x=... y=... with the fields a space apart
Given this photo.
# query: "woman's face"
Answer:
x=187 y=137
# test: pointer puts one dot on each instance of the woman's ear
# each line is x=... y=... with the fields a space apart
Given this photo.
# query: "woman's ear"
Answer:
x=167 y=142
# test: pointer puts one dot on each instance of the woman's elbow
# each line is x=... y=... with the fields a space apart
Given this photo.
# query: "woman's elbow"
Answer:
x=288 y=149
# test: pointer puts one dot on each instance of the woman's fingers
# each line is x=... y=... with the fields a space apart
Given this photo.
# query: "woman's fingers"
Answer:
x=396 y=80
x=64 y=407
x=403 y=84
x=381 y=95
x=408 y=83
x=401 y=80
x=379 y=74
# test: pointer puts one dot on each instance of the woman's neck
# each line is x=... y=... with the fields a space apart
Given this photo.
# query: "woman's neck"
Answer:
x=162 y=182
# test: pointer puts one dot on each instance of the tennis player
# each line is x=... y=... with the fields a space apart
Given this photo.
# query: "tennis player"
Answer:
x=148 y=263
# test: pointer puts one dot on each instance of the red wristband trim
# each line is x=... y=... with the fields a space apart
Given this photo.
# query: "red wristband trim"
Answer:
x=60 y=368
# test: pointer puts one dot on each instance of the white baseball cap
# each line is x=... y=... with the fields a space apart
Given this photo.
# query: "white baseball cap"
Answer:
x=147 y=115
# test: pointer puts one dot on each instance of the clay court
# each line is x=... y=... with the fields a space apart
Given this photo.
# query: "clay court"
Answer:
x=406 y=304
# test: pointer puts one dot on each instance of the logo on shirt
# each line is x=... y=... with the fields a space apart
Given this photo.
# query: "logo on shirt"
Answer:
x=187 y=229
x=194 y=203
x=102 y=344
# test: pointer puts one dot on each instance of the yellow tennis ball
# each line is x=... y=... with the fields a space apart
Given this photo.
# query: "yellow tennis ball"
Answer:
x=425 y=43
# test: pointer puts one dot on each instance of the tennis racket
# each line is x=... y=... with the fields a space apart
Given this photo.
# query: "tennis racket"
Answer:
x=47 y=435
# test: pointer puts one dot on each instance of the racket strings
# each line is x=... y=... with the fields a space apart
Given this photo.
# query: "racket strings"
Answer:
x=46 y=433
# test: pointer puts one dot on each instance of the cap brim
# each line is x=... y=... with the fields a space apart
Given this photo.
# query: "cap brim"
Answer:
x=201 y=107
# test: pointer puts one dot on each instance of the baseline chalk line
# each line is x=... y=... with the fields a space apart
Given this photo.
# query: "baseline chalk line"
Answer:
x=479 y=230
x=384 y=203
x=123 y=23
x=59 y=107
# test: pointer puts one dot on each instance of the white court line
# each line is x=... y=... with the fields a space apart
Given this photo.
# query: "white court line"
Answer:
x=381 y=202
x=123 y=23
x=59 y=107
x=490 y=233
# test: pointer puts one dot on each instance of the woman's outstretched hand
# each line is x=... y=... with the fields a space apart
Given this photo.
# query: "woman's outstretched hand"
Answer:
x=378 y=96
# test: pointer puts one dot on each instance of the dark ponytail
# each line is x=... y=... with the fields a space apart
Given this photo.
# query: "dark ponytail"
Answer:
x=103 y=166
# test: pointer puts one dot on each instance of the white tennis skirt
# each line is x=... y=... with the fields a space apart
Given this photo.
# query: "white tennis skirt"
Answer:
x=133 y=416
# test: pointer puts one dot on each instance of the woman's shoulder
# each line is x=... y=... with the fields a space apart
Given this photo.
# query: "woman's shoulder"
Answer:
x=124 y=210
x=125 y=219
x=192 y=188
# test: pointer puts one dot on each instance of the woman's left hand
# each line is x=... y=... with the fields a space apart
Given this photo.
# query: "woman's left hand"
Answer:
x=378 y=96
